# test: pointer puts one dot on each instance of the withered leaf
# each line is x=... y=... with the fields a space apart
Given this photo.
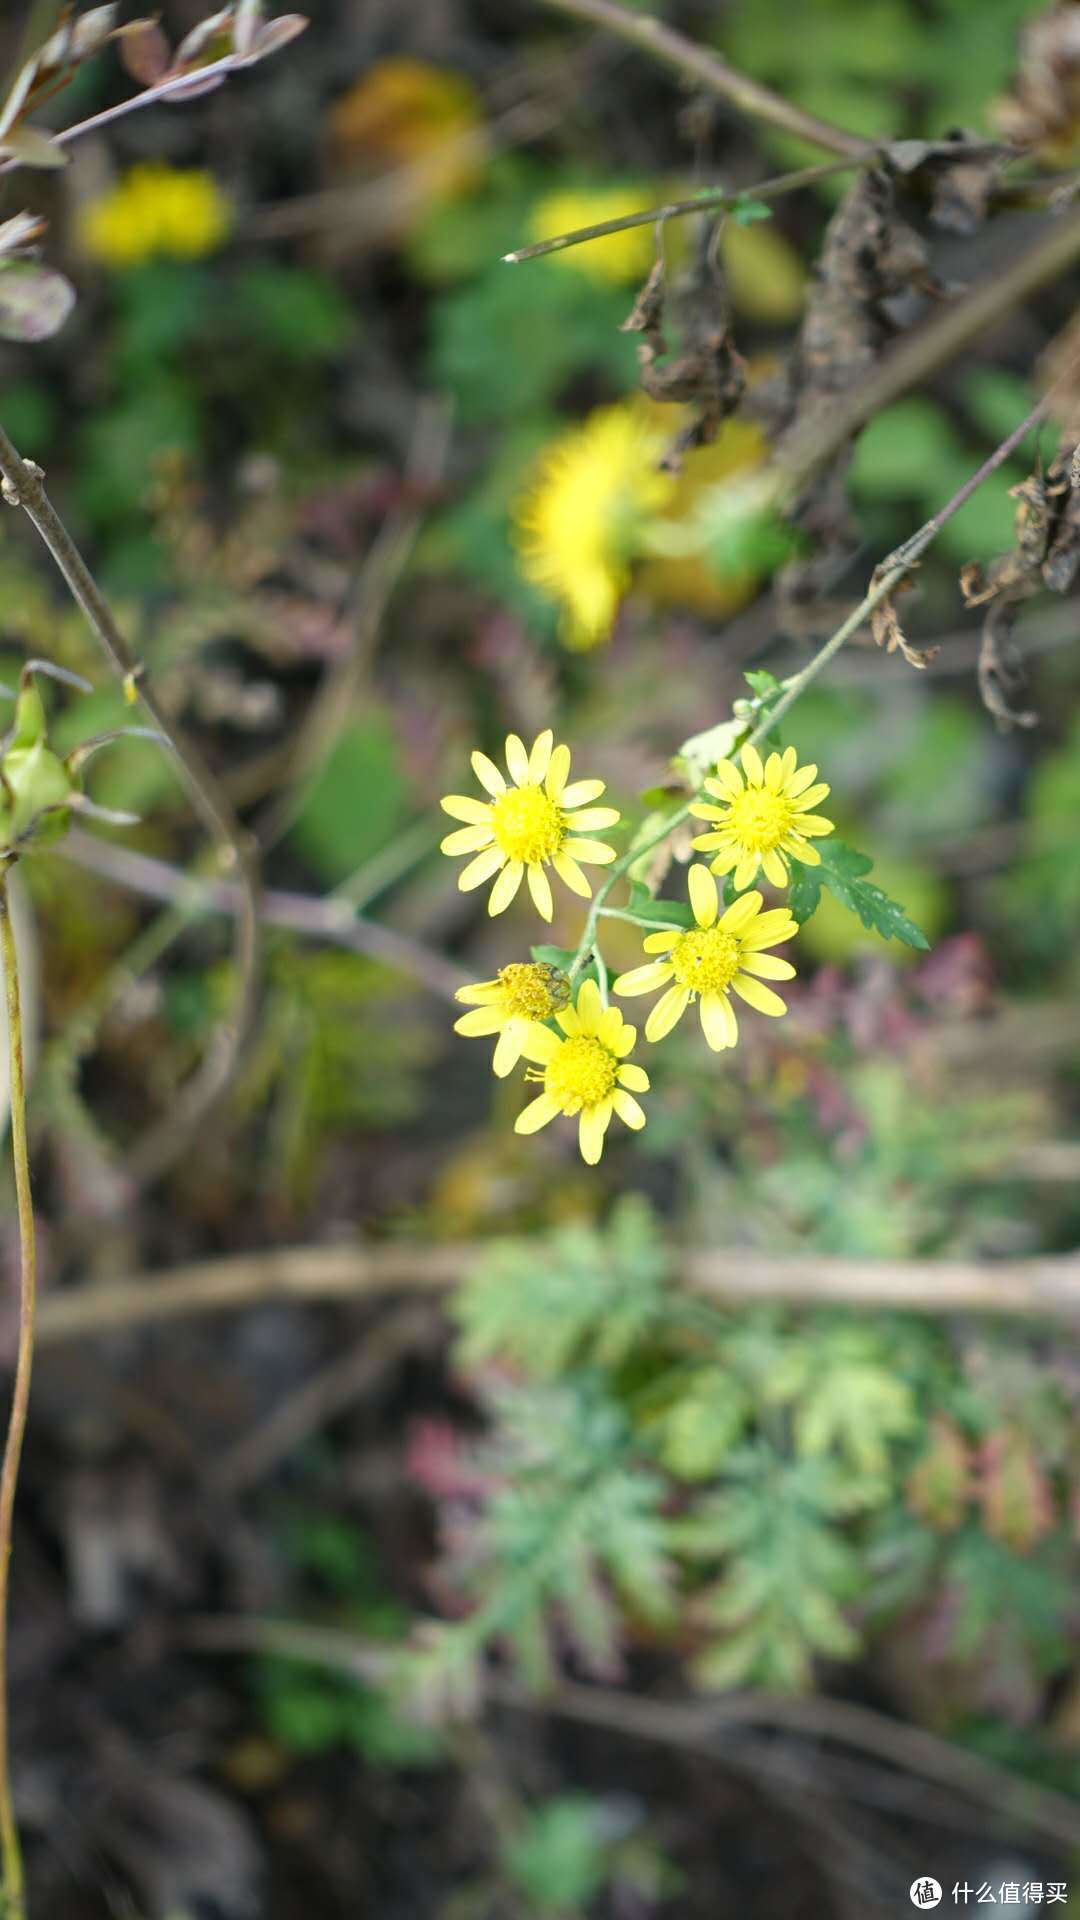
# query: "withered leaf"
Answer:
x=707 y=372
x=885 y=623
x=34 y=301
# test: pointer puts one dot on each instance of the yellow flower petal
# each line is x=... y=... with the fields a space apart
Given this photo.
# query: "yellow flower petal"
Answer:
x=769 y=929
x=704 y=810
x=557 y=773
x=797 y=783
x=505 y=887
x=755 y=995
x=768 y=966
x=479 y=994
x=507 y=1050
x=643 y=979
x=775 y=869
x=480 y=869
x=660 y=942
x=571 y=876
x=741 y=912
x=790 y=762
x=461 y=807
x=540 y=888
x=540 y=757
x=667 y=1013
x=703 y=895
x=481 y=1020
x=625 y=1041
x=590 y=1007
x=774 y=773
x=536 y=1114
x=633 y=1077
x=718 y=1022
x=592 y=1127
x=517 y=760
x=727 y=782
x=539 y=1044
x=488 y=774
x=593 y=852
x=610 y=1028
x=579 y=793
x=725 y=859
x=813 y=823
x=813 y=795
x=802 y=850
x=593 y=819
x=466 y=840
x=627 y=1109
x=568 y=1020
x=752 y=766
x=746 y=866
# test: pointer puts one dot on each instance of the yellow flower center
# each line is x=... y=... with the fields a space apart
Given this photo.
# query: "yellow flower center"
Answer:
x=582 y=1073
x=706 y=959
x=527 y=825
x=532 y=992
x=760 y=818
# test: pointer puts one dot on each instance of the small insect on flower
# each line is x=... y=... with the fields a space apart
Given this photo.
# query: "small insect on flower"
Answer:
x=534 y=823
x=764 y=820
x=718 y=956
x=585 y=1071
x=524 y=992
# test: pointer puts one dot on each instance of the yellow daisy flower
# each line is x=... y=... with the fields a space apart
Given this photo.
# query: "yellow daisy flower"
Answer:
x=585 y=1071
x=711 y=960
x=616 y=259
x=507 y=1005
x=156 y=210
x=764 y=820
x=579 y=526
x=535 y=823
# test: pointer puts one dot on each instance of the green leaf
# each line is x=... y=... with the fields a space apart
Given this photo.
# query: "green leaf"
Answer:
x=804 y=895
x=507 y=345
x=745 y=211
x=553 y=957
x=356 y=802
x=559 y=1860
x=672 y=912
x=843 y=871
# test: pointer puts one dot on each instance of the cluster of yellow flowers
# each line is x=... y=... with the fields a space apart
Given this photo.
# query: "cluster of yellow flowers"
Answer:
x=156 y=211
x=762 y=820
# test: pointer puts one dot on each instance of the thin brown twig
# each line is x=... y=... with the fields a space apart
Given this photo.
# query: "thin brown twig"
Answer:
x=10 y=1852
x=1045 y=1286
x=698 y=1725
x=706 y=69
x=931 y=347
x=334 y=920
x=23 y=486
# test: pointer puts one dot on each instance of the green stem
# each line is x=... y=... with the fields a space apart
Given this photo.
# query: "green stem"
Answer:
x=11 y=1867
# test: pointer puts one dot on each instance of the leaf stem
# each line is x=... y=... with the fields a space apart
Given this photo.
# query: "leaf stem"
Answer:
x=773 y=189
x=11 y=1867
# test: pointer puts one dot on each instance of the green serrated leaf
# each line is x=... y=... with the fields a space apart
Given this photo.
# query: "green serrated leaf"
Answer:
x=804 y=895
x=670 y=912
x=843 y=870
x=553 y=956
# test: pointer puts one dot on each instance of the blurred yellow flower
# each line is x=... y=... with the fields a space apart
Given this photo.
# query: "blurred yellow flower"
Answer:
x=530 y=825
x=520 y=993
x=618 y=259
x=578 y=526
x=585 y=1072
x=156 y=210
x=692 y=579
x=411 y=114
x=764 y=819
x=718 y=956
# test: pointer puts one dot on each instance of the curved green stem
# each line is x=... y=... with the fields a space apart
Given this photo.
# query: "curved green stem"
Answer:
x=11 y=1867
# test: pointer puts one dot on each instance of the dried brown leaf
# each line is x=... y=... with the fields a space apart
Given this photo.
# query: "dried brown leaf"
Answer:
x=885 y=624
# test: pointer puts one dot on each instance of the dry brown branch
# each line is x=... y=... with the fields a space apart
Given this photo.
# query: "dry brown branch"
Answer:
x=1048 y=1285
x=706 y=69
x=23 y=486
x=696 y=1725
